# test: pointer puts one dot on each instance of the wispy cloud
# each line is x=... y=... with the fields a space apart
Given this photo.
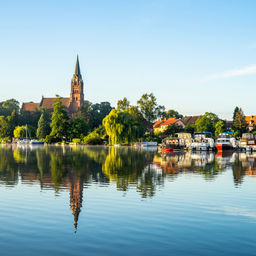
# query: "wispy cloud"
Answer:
x=231 y=73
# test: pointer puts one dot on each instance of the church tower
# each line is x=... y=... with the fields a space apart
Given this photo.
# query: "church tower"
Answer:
x=77 y=89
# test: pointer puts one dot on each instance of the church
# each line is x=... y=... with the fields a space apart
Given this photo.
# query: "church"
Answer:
x=72 y=103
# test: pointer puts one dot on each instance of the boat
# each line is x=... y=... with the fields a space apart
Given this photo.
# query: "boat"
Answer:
x=172 y=144
x=225 y=142
x=149 y=144
x=202 y=141
x=247 y=142
x=36 y=142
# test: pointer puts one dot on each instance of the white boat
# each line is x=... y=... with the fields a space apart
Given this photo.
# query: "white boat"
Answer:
x=202 y=143
x=36 y=142
x=225 y=142
x=149 y=144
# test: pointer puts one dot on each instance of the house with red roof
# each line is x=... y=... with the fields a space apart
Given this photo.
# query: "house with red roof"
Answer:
x=161 y=125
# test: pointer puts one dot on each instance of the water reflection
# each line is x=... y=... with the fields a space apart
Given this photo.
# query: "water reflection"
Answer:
x=74 y=169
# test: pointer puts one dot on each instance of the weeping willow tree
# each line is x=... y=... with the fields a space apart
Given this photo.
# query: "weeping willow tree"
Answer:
x=122 y=128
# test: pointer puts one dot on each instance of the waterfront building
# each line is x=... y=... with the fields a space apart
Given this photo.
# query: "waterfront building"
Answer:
x=72 y=103
x=161 y=125
x=251 y=122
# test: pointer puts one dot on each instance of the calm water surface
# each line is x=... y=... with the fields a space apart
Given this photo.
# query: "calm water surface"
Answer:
x=122 y=201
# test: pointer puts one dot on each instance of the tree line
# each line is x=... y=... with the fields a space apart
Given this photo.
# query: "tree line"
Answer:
x=101 y=123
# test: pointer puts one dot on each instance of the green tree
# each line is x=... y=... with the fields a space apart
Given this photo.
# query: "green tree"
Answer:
x=96 y=137
x=43 y=128
x=171 y=113
x=121 y=128
x=123 y=104
x=207 y=122
x=78 y=128
x=6 y=128
x=8 y=106
x=20 y=132
x=235 y=111
x=59 y=119
x=239 y=123
x=149 y=108
x=172 y=130
x=220 y=127
x=98 y=112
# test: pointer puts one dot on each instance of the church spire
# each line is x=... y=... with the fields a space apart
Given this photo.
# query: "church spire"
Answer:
x=77 y=69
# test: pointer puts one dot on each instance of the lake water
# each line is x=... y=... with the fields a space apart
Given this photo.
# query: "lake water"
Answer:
x=122 y=201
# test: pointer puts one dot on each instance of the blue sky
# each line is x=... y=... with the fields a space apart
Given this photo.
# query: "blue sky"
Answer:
x=195 y=56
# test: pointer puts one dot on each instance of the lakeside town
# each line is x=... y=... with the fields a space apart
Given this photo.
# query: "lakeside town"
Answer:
x=74 y=120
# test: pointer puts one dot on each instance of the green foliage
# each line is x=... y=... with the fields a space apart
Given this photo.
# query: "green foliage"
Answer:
x=171 y=113
x=30 y=117
x=152 y=138
x=207 y=122
x=239 y=123
x=51 y=139
x=121 y=128
x=78 y=128
x=8 y=106
x=149 y=108
x=172 y=130
x=20 y=131
x=190 y=128
x=220 y=127
x=98 y=112
x=76 y=140
x=97 y=137
x=59 y=119
x=43 y=126
x=123 y=104
x=6 y=127
x=235 y=111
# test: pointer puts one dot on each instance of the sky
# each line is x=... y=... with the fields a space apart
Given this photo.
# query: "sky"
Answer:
x=195 y=56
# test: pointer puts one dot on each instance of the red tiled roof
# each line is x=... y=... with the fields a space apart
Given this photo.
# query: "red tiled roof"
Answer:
x=48 y=102
x=30 y=106
x=251 y=120
x=157 y=123
x=170 y=121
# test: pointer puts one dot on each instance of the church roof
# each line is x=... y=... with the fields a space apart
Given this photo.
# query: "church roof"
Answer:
x=47 y=103
x=77 y=68
x=30 y=106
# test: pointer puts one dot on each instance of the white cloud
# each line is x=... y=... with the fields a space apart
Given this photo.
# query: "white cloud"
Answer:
x=231 y=73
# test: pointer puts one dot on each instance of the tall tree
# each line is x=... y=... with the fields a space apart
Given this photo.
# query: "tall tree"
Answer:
x=6 y=128
x=220 y=127
x=121 y=128
x=239 y=123
x=207 y=122
x=149 y=108
x=171 y=113
x=43 y=128
x=123 y=104
x=8 y=106
x=59 y=119
x=20 y=132
x=78 y=128
x=235 y=111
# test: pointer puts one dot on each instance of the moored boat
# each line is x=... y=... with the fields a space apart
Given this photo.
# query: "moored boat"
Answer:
x=202 y=141
x=247 y=142
x=172 y=144
x=225 y=142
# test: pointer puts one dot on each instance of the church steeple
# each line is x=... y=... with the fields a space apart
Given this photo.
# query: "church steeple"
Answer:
x=77 y=69
x=77 y=89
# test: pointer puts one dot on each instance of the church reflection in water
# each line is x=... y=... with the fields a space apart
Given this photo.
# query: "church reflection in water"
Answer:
x=72 y=169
